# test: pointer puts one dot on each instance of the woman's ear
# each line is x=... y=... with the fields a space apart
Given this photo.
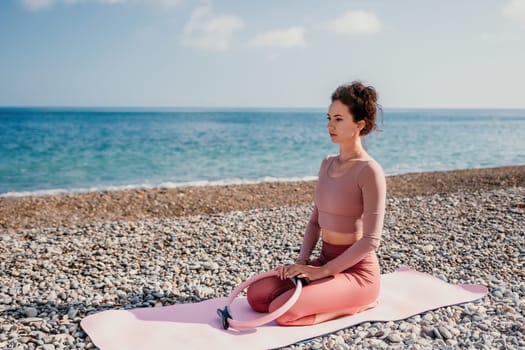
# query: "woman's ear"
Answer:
x=361 y=124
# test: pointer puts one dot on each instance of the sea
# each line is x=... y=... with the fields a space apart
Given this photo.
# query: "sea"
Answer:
x=72 y=150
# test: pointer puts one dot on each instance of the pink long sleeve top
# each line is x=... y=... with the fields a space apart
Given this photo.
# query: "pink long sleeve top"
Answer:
x=353 y=202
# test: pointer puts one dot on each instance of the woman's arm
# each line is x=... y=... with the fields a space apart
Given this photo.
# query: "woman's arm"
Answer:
x=310 y=239
x=373 y=187
x=311 y=236
x=313 y=230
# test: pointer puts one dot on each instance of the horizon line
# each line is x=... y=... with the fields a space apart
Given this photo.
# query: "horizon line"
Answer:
x=244 y=107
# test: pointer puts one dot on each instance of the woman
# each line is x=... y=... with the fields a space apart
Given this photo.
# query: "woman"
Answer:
x=348 y=215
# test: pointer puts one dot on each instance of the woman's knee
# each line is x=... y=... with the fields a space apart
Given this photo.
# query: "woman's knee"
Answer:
x=294 y=316
x=261 y=293
x=257 y=298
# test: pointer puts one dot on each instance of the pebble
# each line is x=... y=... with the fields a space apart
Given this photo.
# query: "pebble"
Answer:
x=394 y=338
x=74 y=284
x=30 y=311
x=72 y=313
x=402 y=326
x=210 y=266
x=339 y=340
x=121 y=294
x=26 y=289
x=102 y=266
x=52 y=295
x=362 y=334
x=445 y=333
x=497 y=294
x=204 y=292
x=428 y=317
x=427 y=248
x=317 y=346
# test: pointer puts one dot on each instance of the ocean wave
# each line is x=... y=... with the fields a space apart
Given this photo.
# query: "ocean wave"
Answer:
x=150 y=186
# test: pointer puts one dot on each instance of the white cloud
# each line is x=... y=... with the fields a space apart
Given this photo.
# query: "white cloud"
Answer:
x=207 y=30
x=169 y=3
x=355 y=22
x=72 y=2
x=285 y=38
x=36 y=5
x=112 y=1
x=500 y=37
x=515 y=10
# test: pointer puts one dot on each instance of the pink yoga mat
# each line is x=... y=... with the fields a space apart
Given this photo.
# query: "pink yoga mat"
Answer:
x=404 y=293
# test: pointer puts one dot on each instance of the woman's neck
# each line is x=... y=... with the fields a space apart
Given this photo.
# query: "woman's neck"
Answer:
x=351 y=151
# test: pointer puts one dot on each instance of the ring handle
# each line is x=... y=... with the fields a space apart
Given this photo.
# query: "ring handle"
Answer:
x=227 y=317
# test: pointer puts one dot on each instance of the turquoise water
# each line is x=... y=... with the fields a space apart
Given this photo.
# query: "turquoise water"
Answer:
x=45 y=150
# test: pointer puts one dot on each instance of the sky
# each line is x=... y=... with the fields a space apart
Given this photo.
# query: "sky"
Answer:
x=272 y=53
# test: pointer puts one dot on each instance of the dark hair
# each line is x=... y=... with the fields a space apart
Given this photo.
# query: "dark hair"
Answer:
x=362 y=103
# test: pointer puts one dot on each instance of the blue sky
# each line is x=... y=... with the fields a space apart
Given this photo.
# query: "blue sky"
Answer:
x=273 y=53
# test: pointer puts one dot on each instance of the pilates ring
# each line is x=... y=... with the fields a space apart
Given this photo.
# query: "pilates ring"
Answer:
x=226 y=314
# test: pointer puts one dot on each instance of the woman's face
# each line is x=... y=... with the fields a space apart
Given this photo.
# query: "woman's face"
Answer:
x=341 y=125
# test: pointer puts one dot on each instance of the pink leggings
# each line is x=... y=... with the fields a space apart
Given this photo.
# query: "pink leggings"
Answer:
x=354 y=290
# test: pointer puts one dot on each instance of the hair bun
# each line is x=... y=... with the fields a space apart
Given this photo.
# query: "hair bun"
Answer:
x=361 y=101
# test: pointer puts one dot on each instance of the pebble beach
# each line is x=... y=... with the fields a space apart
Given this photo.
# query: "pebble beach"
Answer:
x=65 y=257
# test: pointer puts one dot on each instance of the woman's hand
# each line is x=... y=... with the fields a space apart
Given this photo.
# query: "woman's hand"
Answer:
x=302 y=271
